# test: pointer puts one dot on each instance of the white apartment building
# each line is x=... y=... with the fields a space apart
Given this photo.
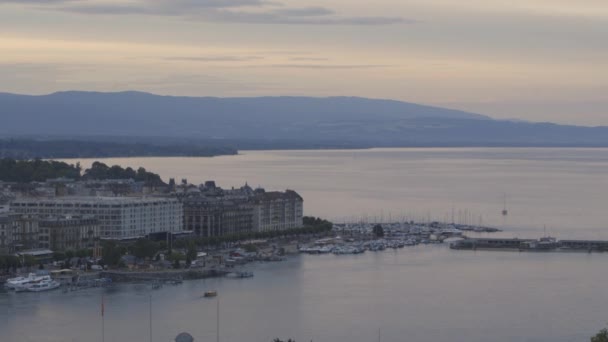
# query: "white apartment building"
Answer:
x=119 y=217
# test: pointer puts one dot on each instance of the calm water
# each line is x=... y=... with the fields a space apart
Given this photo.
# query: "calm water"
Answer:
x=424 y=293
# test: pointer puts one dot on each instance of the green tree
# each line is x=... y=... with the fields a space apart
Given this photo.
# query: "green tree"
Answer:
x=29 y=261
x=192 y=252
x=58 y=256
x=144 y=249
x=601 y=336
x=112 y=252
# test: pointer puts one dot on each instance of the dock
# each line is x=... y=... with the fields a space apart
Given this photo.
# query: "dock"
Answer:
x=544 y=244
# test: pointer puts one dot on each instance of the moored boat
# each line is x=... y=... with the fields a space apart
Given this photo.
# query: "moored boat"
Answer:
x=21 y=284
x=209 y=294
x=46 y=285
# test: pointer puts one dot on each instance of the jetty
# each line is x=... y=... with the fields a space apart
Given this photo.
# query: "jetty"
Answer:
x=162 y=276
x=544 y=244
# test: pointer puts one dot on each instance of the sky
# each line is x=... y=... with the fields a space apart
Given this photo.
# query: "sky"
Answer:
x=536 y=60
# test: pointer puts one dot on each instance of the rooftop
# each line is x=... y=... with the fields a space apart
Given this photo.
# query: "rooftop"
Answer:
x=94 y=199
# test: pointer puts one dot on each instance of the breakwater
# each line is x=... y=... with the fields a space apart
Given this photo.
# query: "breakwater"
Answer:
x=544 y=244
x=169 y=275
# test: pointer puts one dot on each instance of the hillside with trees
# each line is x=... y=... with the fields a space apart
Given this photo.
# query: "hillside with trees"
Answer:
x=37 y=170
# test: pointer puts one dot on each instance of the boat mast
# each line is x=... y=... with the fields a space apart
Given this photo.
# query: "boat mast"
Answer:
x=150 y=318
x=218 y=320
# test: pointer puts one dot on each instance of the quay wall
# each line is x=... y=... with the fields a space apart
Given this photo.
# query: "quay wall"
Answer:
x=129 y=276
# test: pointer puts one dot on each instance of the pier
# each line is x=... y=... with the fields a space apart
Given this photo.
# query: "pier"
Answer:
x=544 y=244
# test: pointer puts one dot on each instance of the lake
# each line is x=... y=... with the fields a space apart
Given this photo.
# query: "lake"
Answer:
x=418 y=294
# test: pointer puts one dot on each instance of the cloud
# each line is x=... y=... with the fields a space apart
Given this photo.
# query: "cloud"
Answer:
x=235 y=11
x=36 y=2
x=305 y=12
x=280 y=17
x=215 y=58
x=309 y=59
x=329 y=66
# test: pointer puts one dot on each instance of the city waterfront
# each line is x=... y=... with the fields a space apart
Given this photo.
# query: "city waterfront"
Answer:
x=425 y=292
x=562 y=189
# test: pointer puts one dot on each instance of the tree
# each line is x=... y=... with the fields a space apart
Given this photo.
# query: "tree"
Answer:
x=192 y=252
x=112 y=252
x=29 y=261
x=378 y=231
x=601 y=336
x=144 y=249
x=58 y=256
x=176 y=264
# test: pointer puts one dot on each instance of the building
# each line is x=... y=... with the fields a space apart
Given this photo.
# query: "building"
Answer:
x=275 y=210
x=217 y=216
x=69 y=232
x=118 y=217
x=212 y=211
x=19 y=232
x=8 y=224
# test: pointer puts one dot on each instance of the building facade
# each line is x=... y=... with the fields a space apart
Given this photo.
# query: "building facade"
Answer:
x=8 y=224
x=218 y=212
x=118 y=217
x=208 y=217
x=274 y=211
x=19 y=232
x=70 y=232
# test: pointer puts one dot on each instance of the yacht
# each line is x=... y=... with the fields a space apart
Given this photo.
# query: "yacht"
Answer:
x=45 y=285
x=18 y=282
x=31 y=282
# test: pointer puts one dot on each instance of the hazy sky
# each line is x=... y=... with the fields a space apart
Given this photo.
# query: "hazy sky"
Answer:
x=540 y=60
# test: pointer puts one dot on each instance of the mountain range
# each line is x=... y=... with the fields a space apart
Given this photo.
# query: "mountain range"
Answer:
x=271 y=122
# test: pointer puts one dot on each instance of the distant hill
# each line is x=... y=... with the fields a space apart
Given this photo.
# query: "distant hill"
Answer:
x=105 y=148
x=272 y=122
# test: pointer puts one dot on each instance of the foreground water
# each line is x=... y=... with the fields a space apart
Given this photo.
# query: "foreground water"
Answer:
x=423 y=293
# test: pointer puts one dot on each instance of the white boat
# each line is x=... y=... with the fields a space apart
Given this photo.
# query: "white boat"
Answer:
x=14 y=283
x=23 y=286
x=44 y=286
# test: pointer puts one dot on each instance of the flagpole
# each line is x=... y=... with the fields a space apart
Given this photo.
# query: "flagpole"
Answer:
x=218 y=319
x=150 y=318
x=103 y=328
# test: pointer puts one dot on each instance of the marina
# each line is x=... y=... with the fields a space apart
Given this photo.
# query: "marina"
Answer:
x=356 y=238
x=412 y=290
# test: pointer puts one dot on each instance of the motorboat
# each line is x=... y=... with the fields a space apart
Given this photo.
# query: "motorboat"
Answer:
x=44 y=286
x=209 y=294
x=19 y=283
